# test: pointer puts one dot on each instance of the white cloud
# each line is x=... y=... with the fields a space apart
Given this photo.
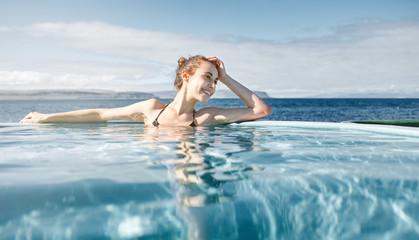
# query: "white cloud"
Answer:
x=377 y=57
x=43 y=80
x=4 y=29
x=9 y=78
x=93 y=75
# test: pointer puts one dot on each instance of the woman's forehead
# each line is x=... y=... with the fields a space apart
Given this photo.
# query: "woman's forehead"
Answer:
x=208 y=67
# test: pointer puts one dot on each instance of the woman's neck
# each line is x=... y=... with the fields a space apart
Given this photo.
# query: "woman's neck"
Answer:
x=182 y=104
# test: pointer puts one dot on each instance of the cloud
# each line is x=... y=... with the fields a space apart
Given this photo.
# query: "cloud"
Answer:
x=373 y=57
x=43 y=80
x=4 y=29
x=74 y=74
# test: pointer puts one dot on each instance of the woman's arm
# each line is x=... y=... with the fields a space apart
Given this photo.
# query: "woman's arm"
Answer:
x=134 y=112
x=256 y=107
x=87 y=115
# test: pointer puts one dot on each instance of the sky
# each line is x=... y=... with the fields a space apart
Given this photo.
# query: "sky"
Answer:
x=286 y=48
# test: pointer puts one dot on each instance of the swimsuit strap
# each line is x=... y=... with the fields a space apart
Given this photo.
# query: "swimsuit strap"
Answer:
x=193 y=121
x=156 y=122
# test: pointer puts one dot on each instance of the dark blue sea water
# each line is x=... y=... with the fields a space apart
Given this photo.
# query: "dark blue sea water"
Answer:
x=317 y=110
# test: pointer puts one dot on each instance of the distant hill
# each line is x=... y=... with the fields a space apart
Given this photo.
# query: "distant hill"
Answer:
x=70 y=94
x=98 y=94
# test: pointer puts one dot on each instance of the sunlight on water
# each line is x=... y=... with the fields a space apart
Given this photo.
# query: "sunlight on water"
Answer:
x=261 y=180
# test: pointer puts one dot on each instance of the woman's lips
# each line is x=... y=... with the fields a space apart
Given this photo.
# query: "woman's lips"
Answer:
x=207 y=92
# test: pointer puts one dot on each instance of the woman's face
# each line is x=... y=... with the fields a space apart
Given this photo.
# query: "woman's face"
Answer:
x=202 y=83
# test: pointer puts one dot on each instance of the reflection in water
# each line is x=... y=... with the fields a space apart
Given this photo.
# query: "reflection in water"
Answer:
x=199 y=168
x=199 y=173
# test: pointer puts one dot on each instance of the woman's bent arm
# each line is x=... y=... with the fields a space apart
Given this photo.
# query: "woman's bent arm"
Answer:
x=256 y=107
x=259 y=107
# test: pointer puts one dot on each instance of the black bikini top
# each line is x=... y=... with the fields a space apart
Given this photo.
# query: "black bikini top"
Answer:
x=156 y=122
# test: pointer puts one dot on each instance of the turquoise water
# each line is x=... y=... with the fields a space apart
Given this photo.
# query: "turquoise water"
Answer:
x=257 y=180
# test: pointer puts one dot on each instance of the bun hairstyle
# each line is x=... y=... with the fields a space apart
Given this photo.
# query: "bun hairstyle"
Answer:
x=189 y=66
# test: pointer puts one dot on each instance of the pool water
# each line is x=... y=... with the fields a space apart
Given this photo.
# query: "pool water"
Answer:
x=257 y=180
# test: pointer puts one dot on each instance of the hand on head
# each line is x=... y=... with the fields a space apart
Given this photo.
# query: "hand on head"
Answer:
x=220 y=67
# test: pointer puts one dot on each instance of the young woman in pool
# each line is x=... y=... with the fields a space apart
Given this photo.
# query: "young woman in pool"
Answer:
x=196 y=79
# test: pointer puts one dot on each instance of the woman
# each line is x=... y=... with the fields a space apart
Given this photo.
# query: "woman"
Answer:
x=196 y=79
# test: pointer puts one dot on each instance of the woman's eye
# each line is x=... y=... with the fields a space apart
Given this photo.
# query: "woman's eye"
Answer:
x=208 y=77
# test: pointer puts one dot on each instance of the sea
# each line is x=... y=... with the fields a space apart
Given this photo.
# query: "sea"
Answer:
x=303 y=172
x=316 y=110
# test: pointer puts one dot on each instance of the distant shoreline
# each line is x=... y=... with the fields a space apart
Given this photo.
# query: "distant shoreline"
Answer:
x=66 y=94
x=93 y=94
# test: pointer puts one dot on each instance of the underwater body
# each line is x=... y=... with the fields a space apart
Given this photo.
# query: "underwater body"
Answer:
x=256 y=180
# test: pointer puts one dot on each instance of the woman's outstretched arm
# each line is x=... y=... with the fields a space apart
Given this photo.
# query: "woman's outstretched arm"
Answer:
x=134 y=112
x=256 y=107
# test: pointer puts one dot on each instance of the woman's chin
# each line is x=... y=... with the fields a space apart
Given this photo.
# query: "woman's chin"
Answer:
x=204 y=99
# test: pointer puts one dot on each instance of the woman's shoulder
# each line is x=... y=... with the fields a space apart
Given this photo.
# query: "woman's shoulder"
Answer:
x=150 y=104
x=154 y=103
x=146 y=107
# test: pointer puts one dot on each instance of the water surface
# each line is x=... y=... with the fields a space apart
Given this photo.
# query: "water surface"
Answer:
x=258 y=180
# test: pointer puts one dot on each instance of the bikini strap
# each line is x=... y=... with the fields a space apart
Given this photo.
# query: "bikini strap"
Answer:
x=193 y=124
x=156 y=122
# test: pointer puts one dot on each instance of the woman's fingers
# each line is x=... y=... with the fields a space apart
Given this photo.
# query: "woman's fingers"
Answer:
x=214 y=59
x=28 y=118
x=218 y=63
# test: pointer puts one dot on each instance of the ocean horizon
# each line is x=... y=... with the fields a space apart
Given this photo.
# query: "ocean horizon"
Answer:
x=283 y=109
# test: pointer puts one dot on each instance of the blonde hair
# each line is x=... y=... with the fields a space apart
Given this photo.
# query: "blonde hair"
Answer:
x=189 y=66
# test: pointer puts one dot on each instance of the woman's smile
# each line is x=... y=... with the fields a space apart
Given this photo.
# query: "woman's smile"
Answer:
x=207 y=92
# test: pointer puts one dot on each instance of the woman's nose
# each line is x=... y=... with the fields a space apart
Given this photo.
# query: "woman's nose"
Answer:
x=211 y=84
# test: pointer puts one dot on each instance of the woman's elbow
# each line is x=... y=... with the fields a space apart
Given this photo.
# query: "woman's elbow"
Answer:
x=262 y=111
x=101 y=115
x=266 y=110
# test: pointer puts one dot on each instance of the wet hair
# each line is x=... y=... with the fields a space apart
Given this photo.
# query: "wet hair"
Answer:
x=189 y=66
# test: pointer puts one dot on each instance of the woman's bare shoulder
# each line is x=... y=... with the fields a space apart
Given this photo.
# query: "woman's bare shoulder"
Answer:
x=150 y=104
x=140 y=111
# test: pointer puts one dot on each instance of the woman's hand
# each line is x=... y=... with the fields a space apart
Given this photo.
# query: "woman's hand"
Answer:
x=222 y=74
x=34 y=117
